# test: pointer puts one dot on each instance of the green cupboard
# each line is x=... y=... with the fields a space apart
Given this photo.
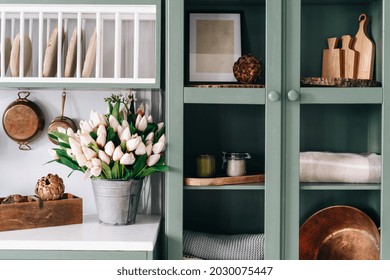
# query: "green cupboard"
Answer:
x=275 y=123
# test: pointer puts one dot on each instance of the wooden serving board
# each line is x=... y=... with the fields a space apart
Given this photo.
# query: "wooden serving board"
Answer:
x=332 y=60
x=221 y=181
x=350 y=57
x=366 y=50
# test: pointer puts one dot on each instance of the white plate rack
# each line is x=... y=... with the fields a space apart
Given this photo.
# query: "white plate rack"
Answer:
x=125 y=42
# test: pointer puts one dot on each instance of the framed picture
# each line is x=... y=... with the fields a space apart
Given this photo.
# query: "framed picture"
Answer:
x=215 y=44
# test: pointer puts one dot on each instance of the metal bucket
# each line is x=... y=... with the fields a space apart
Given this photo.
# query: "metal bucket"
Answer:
x=117 y=200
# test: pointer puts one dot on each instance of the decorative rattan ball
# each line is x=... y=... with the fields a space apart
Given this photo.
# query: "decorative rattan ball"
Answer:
x=14 y=198
x=50 y=187
x=247 y=69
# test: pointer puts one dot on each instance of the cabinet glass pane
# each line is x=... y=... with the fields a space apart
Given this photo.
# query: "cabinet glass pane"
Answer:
x=214 y=129
x=252 y=26
x=224 y=212
x=325 y=19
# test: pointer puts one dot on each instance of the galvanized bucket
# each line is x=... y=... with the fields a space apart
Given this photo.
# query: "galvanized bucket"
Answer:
x=117 y=200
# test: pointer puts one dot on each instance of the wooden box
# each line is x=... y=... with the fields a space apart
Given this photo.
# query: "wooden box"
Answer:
x=38 y=213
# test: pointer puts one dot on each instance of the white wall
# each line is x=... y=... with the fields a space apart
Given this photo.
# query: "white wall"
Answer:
x=20 y=170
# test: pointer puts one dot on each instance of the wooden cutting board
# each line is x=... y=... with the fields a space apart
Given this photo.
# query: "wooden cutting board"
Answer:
x=350 y=57
x=221 y=181
x=332 y=60
x=15 y=55
x=366 y=50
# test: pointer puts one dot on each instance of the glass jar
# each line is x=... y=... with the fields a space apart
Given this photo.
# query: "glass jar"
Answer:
x=205 y=166
x=235 y=163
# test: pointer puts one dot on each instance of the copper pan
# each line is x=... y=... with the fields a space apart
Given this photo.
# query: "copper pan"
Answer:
x=339 y=233
x=61 y=121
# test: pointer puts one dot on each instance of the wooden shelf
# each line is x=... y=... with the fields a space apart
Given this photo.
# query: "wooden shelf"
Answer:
x=240 y=187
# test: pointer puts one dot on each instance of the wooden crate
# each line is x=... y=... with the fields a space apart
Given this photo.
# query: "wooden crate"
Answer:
x=35 y=214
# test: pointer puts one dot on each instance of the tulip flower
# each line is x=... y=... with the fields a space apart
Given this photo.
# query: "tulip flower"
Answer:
x=86 y=139
x=150 y=119
x=101 y=129
x=85 y=126
x=127 y=159
x=153 y=159
x=117 y=154
x=109 y=148
x=137 y=120
x=96 y=162
x=94 y=117
x=61 y=130
x=119 y=130
x=75 y=146
x=81 y=159
x=88 y=164
x=158 y=148
x=143 y=123
x=69 y=153
x=141 y=149
x=141 y=109
x=149 y=148
x=125 y=136
x=70 y=132
x=96 y=170
x=104 y=157
x=89 y=153
x=101 y=139
x=113 y=123
x=162 y=140
x=133 y=143
x=125 y=124
x=150 y=137
x=160 y=126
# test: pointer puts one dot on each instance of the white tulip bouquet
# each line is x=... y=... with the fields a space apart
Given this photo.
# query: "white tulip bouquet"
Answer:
x=123 y=144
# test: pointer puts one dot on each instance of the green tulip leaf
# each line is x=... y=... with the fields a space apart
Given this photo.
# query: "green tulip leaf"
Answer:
x=106 y=171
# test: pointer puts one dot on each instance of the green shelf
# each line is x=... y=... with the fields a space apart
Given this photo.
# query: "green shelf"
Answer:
x=251 y=96
x=338 y=186
x=324 y=95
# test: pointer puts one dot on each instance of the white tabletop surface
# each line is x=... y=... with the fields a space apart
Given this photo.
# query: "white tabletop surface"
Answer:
x=90 y=235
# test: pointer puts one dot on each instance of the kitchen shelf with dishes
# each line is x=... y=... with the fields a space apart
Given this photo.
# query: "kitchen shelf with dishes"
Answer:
x=99 y=45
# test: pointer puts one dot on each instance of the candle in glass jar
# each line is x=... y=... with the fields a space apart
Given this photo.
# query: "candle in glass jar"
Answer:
x=205 y=166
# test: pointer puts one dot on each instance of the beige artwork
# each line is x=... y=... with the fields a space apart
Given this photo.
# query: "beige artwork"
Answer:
x=214 y=46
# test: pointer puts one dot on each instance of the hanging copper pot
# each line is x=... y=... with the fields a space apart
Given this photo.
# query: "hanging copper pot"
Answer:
x=23 y=121
x=61 y=121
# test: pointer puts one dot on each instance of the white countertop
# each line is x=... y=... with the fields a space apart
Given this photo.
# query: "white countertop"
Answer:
x=90 y=235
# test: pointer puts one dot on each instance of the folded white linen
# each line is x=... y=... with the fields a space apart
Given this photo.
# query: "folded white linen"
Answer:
x=340 y=167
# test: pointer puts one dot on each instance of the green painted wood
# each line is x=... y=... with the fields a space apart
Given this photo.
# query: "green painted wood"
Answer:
x=337 y=187
x=72 y=255
x=174 y=21
x=341 y=95
x=292 y=127
x=273 y=133
x=385 y=190
x=224 y=95
x=241 y=187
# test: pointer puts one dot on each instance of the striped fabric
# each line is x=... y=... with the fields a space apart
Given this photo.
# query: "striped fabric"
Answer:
x=223 y=247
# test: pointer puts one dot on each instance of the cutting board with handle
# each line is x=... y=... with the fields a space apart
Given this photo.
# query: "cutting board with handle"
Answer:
x=350 y=57
x=366 y=50
x=332 y=60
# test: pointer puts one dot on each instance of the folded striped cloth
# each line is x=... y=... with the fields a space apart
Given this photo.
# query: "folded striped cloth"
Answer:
x=223 y=247
x=340 y=167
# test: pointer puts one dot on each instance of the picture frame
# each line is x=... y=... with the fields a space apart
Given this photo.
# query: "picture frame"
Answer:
x=215 y=44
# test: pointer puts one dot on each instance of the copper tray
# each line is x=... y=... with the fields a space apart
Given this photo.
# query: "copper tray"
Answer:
x=339 y=233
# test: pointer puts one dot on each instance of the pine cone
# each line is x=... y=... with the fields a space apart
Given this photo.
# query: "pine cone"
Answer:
x=50 y=187
x=14 y=198
x=247 y=69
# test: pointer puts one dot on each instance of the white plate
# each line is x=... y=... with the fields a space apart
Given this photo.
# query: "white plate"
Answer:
x=7 y=51
x=71 y=55
x=50 y=60
x=15 y=55
x=90 y=56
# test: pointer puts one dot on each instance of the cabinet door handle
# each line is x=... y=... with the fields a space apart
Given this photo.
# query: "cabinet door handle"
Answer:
x=293 y=95
x=274 y=96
